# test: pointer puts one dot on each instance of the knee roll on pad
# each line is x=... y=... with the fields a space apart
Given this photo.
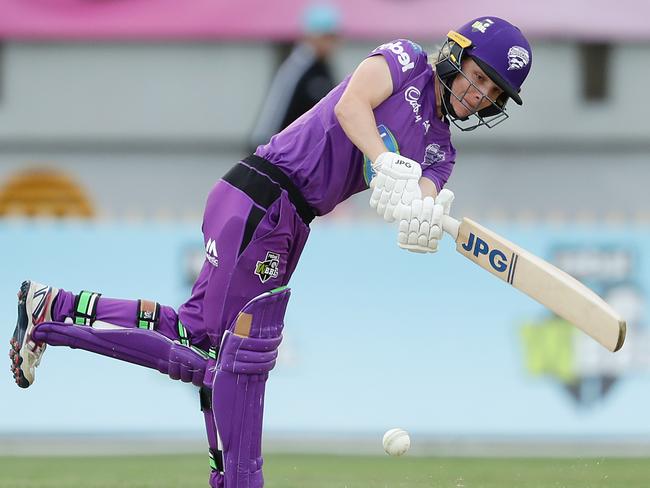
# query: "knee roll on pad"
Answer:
x=244 y=355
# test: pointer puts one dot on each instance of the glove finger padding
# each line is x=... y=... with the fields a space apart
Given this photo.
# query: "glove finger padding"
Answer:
x=417 y=207
x=423 y=236
x=377 y=185
x=420 y=226
x=411 y=192
x=414 y=232
x=445 y=198
x=427 y=209
x=436 y=219
x=393 y=184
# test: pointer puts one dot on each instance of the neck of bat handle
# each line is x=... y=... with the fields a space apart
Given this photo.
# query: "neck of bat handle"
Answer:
x=450 y=225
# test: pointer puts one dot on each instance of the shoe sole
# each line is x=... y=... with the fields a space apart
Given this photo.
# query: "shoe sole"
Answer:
x=25 y=355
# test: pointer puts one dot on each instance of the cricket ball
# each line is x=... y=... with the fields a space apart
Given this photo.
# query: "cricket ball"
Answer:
x=396 y=442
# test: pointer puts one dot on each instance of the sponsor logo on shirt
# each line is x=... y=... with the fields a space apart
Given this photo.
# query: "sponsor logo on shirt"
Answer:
x=211 y=253
x=412 y=96
x=268 y=268
x=402 y=56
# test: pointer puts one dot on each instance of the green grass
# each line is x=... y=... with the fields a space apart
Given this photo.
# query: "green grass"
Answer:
x=312 y=471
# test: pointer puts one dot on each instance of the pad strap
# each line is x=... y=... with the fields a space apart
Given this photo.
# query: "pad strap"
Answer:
x=148 y=314
x=216 y=460
x=184 y=340
x=85 y=308
x=200 y=351
x=182 y=334
x=205 y=396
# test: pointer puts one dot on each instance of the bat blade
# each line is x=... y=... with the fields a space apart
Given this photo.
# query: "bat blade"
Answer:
x=540 y=280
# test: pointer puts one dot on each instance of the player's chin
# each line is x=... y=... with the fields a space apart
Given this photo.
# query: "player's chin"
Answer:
x=462 y=111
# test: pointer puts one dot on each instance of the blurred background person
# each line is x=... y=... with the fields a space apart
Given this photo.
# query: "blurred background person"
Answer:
x=304 y=77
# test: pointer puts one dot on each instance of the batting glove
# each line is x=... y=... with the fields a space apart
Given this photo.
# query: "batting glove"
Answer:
x=395 y=184
x=420 y=226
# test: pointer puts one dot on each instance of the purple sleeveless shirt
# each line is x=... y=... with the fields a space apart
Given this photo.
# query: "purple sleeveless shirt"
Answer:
x=324 y=164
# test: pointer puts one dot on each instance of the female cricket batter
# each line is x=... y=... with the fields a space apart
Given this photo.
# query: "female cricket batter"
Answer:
x=385 y=127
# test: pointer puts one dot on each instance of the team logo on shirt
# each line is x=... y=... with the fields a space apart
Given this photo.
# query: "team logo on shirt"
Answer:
x=269 y=268
x=433 y=154
x=518 y=58
x=211 y=253
x=389 y=141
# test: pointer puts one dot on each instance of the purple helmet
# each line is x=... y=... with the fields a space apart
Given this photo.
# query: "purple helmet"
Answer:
x=500 y=50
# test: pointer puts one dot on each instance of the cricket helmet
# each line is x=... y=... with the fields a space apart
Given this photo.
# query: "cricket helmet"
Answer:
x=500 y=50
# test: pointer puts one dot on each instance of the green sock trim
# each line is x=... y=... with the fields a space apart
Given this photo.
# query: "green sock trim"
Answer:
x=84 y=313
x=142 y=324
x=84 y=300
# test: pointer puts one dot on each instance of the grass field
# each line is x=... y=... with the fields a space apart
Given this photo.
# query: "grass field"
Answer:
x=313 y=471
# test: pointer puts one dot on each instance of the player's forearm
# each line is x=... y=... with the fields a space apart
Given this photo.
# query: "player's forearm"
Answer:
x=428 y=188
x=358 y=122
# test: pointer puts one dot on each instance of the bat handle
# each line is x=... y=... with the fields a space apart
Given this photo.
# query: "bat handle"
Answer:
x=450 y=225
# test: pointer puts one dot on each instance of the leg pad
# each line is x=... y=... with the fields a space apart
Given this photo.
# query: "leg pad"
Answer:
x=138 y=346
x=248 y=353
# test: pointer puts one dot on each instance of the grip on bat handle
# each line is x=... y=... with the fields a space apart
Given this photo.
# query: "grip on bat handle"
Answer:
x=450 y=225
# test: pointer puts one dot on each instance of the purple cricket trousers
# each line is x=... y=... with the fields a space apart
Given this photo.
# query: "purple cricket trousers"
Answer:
x=255 y=226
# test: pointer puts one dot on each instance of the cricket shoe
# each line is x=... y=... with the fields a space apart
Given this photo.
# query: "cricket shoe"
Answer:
x=34 y=307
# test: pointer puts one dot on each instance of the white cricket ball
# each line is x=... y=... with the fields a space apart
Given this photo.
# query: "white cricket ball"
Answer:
x=396 y=442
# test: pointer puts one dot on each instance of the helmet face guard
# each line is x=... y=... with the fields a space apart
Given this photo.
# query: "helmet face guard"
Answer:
x=501 y=51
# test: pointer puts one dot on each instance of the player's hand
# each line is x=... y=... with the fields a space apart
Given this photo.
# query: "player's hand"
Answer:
x=395 y=184
x=420 y=226
x=445 y=198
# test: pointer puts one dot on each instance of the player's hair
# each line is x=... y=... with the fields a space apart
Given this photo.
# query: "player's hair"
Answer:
x=439 y=51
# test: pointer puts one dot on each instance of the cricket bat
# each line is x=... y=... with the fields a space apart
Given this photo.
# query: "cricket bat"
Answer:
x=538 y=279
